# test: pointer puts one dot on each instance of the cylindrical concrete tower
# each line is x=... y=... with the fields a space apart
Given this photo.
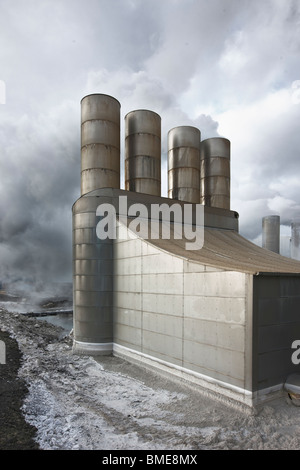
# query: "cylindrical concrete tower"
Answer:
x=295 y=239
x=92 y=281
x=271 y=233
x=92 y=257
x=143 y=152
x=184 y=164
x=100 y=143
x=215 y=172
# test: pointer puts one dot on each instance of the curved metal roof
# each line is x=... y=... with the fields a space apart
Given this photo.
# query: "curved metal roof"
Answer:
x=228 y=250
x=223 y=248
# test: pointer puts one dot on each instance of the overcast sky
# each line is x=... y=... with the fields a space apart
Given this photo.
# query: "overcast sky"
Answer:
x=229 y=67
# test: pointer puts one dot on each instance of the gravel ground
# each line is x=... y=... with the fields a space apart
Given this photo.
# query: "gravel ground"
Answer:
x=52 y=399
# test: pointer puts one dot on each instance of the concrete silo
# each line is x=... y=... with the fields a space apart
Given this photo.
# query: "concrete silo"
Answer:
x=100 y=143
x=92 y=257
x=184 y=164
x=271 y=233
x=215 y=172
x=143 y=152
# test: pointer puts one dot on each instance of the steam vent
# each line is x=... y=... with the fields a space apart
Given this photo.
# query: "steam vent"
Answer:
x=168 y=282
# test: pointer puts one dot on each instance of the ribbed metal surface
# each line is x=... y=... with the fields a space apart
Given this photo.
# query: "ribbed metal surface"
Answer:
x=143 y=152
x=184 y=163
x=100 y=142
x=92 y=279
x=215 y=172
x=228 y=250
x=271 y=233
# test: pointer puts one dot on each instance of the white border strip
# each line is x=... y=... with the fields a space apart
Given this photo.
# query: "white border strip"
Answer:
x=92 y=348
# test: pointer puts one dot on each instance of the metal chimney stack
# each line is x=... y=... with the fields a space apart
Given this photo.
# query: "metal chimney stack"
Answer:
x=184 y=164
x=143 y=152
x=295 y=240
x=100 y=143
x=215 y=172
x=271 y=233
x=92 y=257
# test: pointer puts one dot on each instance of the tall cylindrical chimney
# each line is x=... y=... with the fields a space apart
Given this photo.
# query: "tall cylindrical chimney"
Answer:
x=184 y=163
x=143 y=152
x=271 y=233
x=100 y=143
x=295 y=239
x=215 y=172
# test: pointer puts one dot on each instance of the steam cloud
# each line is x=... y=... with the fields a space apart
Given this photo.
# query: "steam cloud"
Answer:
x=229 y=68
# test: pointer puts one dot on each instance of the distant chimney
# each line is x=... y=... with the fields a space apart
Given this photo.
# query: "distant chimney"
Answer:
x=143 y=152
x=100 y=143
x=271 y=233
x=184 y=164
x=295 y=240
x=215 y=172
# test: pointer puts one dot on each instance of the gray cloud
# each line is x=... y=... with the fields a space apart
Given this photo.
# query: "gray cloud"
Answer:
x=40 y=181
x=225 y=67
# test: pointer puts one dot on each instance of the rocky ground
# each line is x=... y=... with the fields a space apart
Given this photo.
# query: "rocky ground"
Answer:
x=52 y=399
x=15 y=432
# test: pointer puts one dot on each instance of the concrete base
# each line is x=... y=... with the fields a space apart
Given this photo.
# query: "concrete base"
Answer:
x=92 y=349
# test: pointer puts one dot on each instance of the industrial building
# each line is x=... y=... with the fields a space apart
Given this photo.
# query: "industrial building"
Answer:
x=222 y=315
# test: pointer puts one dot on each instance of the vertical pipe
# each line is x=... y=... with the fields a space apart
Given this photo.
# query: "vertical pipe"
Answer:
x=143 y=152
x=271 y=233
x=215 y=172
x=184 y=163
x=100 y=143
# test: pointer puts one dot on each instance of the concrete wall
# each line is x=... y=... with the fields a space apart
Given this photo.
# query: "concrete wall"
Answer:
x=183 y=314
x=93 y=267
x=276 y=324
